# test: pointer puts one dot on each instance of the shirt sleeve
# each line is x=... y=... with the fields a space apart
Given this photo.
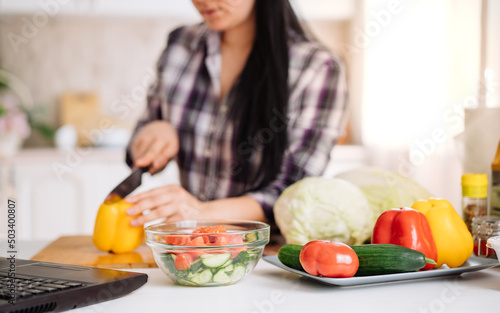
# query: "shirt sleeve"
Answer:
x=316 y=118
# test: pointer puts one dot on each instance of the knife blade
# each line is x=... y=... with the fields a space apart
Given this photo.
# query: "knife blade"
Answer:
x=130 y=183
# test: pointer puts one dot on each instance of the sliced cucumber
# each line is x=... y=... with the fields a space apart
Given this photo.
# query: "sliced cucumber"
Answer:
x=215 y=260
x=202 y=277
x=242 y=257
x=184 y=282
x=168 y=263
x=253 y=255
x=228 y=268
x=238 y=273
x=221 y=277
x=229 y=262
x=196 y=266
x=251 y=237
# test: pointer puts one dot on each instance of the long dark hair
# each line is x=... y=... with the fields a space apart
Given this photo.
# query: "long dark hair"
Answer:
x=262 y=93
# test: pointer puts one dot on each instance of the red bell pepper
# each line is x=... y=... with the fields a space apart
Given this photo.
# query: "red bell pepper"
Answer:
x=408 y=228
x=329 y=259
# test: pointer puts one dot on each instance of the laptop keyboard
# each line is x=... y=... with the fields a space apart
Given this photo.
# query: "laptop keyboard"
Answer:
x=26 y=286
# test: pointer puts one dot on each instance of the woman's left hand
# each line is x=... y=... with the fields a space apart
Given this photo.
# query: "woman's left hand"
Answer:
x=171 y=202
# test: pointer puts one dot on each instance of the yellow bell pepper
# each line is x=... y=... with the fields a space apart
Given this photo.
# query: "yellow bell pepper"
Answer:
x=112 y=230
x=453 y=240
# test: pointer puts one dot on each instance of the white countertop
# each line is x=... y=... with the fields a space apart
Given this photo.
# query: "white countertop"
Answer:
x=269 y=289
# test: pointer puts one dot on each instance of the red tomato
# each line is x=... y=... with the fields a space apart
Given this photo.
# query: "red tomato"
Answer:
x=183 y=262
x=329 y=259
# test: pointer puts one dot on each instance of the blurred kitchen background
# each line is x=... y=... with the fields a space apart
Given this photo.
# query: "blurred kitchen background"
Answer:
x=423 y=78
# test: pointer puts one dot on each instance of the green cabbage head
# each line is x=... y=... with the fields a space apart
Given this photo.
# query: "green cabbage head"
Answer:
x=385 y=190
x=320 y=208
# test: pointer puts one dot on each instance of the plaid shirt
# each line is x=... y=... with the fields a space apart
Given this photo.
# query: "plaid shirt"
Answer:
x=186 y=94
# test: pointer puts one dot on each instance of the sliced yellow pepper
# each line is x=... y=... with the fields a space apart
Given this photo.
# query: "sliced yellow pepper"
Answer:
x=112 y=230
x=453 y=240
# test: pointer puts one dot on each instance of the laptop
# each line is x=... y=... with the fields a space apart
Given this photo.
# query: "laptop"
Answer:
x=33 y=286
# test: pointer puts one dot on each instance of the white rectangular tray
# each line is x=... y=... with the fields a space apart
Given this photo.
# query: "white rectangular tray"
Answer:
x=472 y=264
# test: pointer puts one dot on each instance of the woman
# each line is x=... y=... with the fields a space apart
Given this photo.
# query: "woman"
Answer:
x=245 y=104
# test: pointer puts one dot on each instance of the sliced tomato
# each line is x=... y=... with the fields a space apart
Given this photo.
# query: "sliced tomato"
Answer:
x=218 y=240
x=211 y=229
x=177 y=240
x=236 y=251
x=197 y=241
x=169 y=240
x=235 y=239
x=183 y=261
x=206 y=239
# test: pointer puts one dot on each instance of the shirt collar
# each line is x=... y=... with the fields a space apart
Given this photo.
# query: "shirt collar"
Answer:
x=206 y=36
x=213 y=59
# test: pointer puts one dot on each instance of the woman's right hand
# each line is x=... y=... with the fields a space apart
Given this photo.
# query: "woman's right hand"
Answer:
x=155 y=144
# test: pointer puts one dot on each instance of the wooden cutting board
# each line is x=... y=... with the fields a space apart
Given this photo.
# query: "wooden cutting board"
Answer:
x=80 y=250
x=82 y=110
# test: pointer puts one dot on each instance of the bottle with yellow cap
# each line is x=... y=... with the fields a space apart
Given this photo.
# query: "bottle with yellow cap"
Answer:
x=474 y=196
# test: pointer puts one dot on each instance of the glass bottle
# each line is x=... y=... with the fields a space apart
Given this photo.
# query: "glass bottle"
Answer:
x=474 y=197
x=495 y=184
x=483 y=228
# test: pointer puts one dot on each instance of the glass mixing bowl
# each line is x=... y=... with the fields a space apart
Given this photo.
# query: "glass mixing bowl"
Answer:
x=207 y=252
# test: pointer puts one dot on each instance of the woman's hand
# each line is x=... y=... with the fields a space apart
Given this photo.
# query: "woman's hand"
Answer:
x=171 y=202
x=156 y=143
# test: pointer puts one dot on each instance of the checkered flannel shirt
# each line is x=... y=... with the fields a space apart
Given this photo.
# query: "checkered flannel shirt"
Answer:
x=186 y=94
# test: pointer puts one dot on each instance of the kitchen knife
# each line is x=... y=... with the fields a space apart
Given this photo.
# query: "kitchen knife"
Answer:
x=130 y=183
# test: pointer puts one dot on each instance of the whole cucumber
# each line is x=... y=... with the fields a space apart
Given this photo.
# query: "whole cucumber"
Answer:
x=377 y=259
x=289 y=255
x=374 y=259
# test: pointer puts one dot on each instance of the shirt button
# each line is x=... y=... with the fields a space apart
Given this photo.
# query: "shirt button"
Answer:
x=202 y=197
x=207 y=153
